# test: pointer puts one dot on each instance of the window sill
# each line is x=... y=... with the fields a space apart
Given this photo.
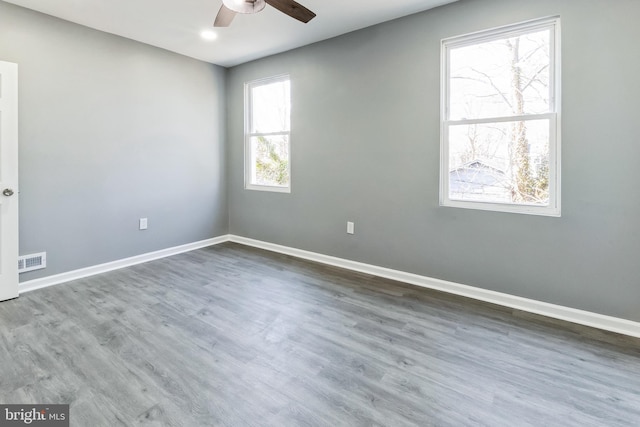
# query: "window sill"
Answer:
x=269 y=188
x=503 y=207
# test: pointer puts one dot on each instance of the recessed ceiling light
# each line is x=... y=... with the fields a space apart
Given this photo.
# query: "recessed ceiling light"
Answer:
x=208 y=35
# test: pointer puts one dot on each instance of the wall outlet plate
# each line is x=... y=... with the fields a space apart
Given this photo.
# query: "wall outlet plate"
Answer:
x=350 y=227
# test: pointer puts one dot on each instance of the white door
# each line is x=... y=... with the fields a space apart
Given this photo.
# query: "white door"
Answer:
x=8 y=180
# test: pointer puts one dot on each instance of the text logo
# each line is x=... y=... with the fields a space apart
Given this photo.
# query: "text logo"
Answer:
x=34 y=415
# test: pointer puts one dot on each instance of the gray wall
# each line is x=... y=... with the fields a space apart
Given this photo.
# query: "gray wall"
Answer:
x=112 y=130
x=365 y=147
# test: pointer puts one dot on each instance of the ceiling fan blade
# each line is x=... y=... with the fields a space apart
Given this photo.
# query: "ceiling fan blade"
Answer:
x=293 y=9
x=224 y=18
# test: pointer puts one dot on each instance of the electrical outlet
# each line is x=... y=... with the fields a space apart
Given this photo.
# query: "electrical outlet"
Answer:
x=143 y=223
x=350 y=227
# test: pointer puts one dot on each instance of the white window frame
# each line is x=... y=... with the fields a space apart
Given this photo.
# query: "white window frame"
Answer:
x=553 y=208
x=248 y=134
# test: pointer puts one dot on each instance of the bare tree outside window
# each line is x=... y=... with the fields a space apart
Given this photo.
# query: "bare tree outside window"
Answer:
x=499 y=127
x=267 y=138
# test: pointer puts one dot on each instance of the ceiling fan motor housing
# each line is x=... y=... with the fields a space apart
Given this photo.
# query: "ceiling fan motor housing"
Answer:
x=245 y=6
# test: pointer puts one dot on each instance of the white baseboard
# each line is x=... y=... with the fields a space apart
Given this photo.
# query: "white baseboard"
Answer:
x=582 y=317
x=68 y=276
x=587 y=318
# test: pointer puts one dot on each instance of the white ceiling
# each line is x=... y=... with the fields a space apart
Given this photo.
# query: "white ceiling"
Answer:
x=175 y=25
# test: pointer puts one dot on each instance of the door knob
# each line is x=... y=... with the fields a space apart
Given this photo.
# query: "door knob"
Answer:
x=7 y=192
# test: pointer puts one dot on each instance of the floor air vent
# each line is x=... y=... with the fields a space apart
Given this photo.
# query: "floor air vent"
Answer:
x=32 y=262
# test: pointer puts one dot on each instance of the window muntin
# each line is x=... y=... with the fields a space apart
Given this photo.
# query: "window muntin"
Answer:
x=500 y=145
x=267 y=135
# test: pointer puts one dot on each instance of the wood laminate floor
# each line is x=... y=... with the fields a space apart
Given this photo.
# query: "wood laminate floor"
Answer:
x=235 y=336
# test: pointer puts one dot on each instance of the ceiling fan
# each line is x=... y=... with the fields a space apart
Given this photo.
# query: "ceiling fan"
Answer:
x=229 y=9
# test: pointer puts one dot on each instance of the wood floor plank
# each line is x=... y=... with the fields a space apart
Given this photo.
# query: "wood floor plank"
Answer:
x=236 y=336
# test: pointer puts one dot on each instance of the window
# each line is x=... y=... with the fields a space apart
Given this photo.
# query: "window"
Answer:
x=500 y=147
x=267 y=128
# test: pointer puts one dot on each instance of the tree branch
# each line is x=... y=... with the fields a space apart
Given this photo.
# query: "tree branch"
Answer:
x=488 y=77
x=534 y=78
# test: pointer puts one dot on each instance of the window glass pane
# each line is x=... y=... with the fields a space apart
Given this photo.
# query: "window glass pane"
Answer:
x=270 y=107
x=270 y=160
x=500 y=162
x=504 y=77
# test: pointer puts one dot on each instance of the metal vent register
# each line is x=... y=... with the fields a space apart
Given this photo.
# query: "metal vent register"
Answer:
x=32 y=262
